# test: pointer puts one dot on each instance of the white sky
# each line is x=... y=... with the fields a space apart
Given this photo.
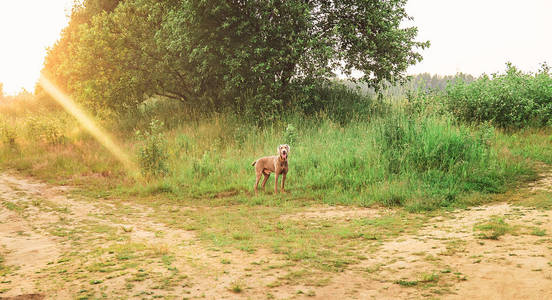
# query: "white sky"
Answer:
x=480 y=36
x=27 y=27
x=470 y=36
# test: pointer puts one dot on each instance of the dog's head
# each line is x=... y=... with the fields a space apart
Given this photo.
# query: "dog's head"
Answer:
x=283 y=151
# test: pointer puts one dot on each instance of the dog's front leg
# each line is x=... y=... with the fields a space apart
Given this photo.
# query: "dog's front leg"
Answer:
x=276 y=183
x=283 y=190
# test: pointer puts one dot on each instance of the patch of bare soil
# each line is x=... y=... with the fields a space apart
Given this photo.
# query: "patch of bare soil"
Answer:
x=335 y=212
x=448 y=259
x=25 y=249
x=24 y=297
x=543 y=184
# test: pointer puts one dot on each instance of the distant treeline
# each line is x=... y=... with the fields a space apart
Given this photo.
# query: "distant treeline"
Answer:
x=423 y=81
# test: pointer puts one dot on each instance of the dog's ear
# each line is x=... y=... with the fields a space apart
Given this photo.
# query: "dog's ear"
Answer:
x=278 y=149
x=287 y=146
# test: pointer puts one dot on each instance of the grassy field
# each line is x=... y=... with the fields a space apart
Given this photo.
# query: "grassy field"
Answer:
x=362 y=181
x=161 y=247
x=398 y=156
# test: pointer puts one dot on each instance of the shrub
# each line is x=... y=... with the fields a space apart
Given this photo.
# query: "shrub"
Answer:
x=339 y=102
x=510 y=100
x=153 y=152
x=47 y=130
x=427 y=143
x=290 y=135
x=8 y=134
x=429 y=161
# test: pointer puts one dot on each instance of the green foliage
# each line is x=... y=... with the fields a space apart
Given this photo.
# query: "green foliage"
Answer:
x=8 y=135
x=48 y=130
x=153 y=151
x=251 y=57
x=338 y=102
x=290 y=135
x=510 y=100
x=4 y=270
x=393 y=154
x=427 y=144
x=406 y=283
x=417 y=161
x=538 y=231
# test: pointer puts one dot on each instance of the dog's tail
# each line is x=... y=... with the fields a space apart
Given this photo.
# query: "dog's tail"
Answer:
x=255 y=162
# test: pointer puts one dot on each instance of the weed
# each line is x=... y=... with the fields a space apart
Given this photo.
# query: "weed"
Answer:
x=538 y=231
x=96 y=281
x=236 y=287
x=494 y=228
x=8 y=136
x=429 y=278
x=4 y=270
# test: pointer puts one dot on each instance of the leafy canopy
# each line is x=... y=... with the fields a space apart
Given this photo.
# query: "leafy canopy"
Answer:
x=254 y=55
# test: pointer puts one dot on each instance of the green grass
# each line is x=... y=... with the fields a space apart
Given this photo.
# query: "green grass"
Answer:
x=530 y=143
x=406 y=283
x=4 y=270
x=494 y=228
x=418 y=161
x=236 y=287
x=401 y=156
x=538 y=231
x=327 y=245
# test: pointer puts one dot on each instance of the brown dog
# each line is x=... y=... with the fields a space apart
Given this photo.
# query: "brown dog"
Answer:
x=272 y=164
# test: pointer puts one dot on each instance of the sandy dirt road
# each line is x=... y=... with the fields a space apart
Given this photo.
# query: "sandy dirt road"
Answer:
x=55 y=245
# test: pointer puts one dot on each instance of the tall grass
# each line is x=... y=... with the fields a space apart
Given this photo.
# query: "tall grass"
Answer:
x=39 y=139
x=420 y=162
x=382 y=154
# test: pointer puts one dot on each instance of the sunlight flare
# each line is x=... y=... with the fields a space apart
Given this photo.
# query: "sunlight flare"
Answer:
x=89 y=125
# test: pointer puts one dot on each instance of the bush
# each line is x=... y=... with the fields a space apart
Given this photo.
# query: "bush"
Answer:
x=511 y=100
x=8 y=135
x=432 y=159
x=290 y=135
x=153 y=153
x=337 y=101
x=47 y=130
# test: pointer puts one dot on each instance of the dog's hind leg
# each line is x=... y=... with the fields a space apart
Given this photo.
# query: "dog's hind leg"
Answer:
x=265 y=179
x=257 y=181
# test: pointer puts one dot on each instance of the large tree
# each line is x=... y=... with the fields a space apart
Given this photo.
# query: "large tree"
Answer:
x=222 y=54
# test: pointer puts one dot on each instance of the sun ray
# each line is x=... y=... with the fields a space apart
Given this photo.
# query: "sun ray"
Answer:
x=89 y=125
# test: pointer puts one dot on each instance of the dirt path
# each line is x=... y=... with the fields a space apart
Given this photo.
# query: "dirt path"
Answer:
x=61 y=247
